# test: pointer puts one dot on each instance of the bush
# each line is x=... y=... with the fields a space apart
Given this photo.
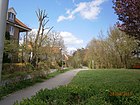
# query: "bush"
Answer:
x=14 y=70
x=10 y=88
x=9 y=68
x=29 y=66
x=20 y=80
x=68 y=95
x=43 y=66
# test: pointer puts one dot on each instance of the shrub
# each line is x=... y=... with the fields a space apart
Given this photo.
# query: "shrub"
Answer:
x=9 y=68
x=43 y=66
x=29 y=66
x=9 y=88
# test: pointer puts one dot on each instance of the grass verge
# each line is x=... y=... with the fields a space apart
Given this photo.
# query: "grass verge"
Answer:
x=10 y=88
x=93 y=87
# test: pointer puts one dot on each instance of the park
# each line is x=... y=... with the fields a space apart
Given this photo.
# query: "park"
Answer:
x=43 y=60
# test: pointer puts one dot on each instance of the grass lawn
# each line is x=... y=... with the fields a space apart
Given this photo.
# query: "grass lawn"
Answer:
x=111 y=80
x=94 y=87
x=114 y=86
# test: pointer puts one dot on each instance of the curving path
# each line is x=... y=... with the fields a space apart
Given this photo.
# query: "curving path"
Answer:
x=61 y=79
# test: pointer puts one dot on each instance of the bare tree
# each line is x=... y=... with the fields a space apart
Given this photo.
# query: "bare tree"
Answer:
x=115 y=51
x=35 y=40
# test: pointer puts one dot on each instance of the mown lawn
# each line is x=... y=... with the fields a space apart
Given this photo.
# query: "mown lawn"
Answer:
x=113 y=80
x=94 y=87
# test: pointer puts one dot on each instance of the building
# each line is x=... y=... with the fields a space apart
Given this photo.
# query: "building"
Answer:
x=14 y=26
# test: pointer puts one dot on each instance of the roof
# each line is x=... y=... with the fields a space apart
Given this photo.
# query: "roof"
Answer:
x=46 y=48
x=54 y=49
x=12 y=10
x=19 y=23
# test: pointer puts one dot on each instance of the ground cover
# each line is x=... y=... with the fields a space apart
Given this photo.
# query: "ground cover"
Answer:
x=93 y=87
x=15 y=86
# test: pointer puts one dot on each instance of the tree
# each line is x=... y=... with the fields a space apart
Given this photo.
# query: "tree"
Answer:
x=11 y=49
x=123 y=46
x=40 y=43
x=77 y=58
x=36 y=40
x=97 y=54
x=115 y=51
x=128 y=12
x=6 y=59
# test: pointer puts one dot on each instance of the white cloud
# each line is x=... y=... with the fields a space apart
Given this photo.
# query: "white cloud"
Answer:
x=87 y=10
x=71 y=42
x=61 y=18
x=69 y=17
x=71 y=50
x=70 y=39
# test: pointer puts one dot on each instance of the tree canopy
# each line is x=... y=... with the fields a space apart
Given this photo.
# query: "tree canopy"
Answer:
x=128 y=12
x=115 y=51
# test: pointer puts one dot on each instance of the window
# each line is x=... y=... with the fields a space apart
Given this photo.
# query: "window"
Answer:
x=11 y=30
x=11 y=16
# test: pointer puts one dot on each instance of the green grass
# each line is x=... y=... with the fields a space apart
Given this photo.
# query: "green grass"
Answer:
x=94 y=87
x=15 y=74
x=10 y=88
x=114 y=86
x=124 y=80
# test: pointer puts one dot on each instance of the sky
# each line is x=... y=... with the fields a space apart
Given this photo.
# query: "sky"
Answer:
x=78 y=21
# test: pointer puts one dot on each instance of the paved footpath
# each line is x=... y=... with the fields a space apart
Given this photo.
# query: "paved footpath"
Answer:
x=61 y=79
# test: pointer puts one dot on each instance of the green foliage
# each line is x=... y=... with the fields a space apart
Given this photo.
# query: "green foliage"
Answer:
x=77 y=60
x=11 y=50
x=115 y=51
x=29 y=66
x=13 y=69
x=93 y=88
x=43 y=66
x=11 y=46
x=6 y=59
x=10 y=88
x=18 y=85
x=7 y=36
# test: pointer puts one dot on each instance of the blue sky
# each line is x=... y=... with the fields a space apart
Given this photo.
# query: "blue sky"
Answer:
x=78 y=21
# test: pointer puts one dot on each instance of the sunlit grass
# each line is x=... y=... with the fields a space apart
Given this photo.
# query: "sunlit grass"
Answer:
x=94 y=87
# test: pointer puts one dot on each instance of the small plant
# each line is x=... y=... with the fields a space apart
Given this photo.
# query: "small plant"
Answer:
x=15 y=85
x=100 y=87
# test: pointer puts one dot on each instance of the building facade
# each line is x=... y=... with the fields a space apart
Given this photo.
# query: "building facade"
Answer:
x=14 y=27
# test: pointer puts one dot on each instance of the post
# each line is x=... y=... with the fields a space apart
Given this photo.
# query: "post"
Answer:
x=62 y=57
x=3 y=14
x=26 y=38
